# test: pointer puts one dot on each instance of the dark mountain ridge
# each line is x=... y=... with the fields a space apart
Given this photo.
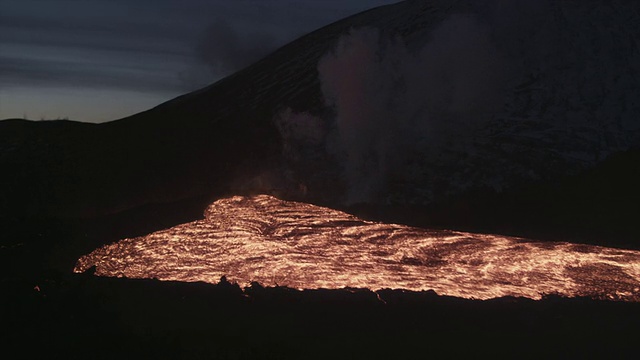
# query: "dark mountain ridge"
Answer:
x=521 y=171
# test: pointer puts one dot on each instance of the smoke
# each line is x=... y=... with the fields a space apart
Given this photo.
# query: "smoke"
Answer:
x=363 y=80
x=225 y=50
x=301 y=131
x=392 y=104
x=221 y=50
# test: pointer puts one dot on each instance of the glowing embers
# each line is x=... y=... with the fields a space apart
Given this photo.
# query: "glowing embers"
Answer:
x=303 y=246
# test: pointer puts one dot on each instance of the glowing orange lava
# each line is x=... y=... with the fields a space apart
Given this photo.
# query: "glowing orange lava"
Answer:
x=276 y=242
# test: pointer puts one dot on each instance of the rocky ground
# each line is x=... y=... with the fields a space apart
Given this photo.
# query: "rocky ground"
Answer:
x=82 y=316
x=47 y=311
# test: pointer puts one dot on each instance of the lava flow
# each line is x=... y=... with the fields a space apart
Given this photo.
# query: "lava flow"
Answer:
x=298 y=245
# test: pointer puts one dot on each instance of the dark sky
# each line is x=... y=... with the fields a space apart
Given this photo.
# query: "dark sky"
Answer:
x=99 y=60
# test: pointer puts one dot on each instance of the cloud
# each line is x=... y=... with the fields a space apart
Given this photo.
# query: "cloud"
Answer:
x=28 y=72
x=225 y=50
x=109 y=37
x=145 y=46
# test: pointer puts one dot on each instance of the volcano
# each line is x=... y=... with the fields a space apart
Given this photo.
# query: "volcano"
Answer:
x=518 y=118
x=530 y=107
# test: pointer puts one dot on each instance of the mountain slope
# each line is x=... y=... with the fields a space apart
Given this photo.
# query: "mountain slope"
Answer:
x=456 y=97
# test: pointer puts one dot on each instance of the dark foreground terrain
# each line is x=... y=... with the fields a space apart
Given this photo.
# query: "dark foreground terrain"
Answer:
x=49 y=312
x=81 y=316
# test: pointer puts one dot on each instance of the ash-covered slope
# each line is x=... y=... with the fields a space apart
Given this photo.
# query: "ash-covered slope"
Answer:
x=420 y=102
x=492 y=95
x=193 y=145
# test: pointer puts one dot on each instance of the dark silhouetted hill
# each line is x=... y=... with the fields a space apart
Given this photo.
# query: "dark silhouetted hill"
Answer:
x=555 y=159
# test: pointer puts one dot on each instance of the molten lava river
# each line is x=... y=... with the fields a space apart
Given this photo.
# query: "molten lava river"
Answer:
x=282 y=243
